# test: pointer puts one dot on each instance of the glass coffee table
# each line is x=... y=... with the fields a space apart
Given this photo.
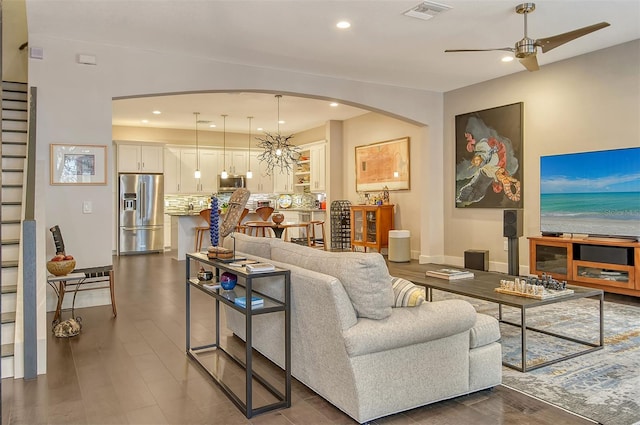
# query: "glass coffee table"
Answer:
x=482 y=287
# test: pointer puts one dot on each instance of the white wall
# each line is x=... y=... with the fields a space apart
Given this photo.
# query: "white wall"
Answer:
x=590 y=102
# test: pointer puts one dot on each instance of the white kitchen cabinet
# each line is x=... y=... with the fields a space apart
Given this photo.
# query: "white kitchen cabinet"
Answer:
x=260 y=182
x=180 y=167
x=209 y=170
x=282 y=182
x=317 y=156
x=171 y=170
x=140 y=158
x=235 y=162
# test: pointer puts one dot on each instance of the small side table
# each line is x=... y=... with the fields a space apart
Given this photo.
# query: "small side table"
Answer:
x=76 y=281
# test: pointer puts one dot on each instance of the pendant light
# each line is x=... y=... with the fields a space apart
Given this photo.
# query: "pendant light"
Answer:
x=278 y=152
x=224 y=174
x=249 y=173
x=197 y=174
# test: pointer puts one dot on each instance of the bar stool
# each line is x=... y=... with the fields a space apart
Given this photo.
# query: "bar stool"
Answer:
x=240 y=227
x=305 y=240
x=314 y=241
x=202 y=230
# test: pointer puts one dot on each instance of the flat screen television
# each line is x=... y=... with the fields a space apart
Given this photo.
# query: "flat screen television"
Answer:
x=593 y=193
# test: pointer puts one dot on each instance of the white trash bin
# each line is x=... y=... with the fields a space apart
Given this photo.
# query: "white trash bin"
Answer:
x=399 y=246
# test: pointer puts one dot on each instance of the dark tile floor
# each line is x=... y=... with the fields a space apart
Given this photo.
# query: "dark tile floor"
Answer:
x=133 y=370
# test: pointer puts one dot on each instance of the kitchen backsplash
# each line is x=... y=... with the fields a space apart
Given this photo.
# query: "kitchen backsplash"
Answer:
x=180 y=203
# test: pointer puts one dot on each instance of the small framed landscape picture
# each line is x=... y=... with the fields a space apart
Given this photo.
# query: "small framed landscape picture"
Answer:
x=383 y=164
x=78 y=165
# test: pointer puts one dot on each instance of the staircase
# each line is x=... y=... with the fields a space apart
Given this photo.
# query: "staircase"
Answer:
x=14 y=153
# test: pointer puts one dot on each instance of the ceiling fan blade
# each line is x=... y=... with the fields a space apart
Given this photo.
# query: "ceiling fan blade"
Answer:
x=558 y=40
x=506 y=49
x=530 y=62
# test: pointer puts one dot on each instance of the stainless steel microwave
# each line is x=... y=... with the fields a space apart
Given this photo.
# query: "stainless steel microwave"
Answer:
x=231 y=183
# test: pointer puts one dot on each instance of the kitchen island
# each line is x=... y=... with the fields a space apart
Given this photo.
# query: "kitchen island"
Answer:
x=183 y=232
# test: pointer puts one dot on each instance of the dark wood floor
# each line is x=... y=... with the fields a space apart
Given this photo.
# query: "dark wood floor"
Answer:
x=133 y=370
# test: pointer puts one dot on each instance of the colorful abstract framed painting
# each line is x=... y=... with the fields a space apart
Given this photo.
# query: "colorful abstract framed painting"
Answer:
x=383 y=164
x=78 y=165
x=489 y=158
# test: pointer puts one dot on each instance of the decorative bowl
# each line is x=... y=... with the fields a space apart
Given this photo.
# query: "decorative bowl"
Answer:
x=61 y=268
x=277 y=218
x=228 y=281
x=204 y=275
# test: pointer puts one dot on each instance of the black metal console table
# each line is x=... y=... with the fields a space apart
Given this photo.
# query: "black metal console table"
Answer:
x=271 y=305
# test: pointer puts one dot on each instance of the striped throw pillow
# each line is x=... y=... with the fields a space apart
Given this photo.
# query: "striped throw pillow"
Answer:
x=406 y=293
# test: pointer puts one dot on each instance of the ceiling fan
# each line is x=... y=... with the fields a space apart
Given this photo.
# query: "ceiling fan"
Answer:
x=526 y=49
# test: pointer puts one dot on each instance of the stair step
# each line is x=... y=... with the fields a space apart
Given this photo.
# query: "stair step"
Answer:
x=14 y=86
x=14 y=115
x=8 y=317
x=14 y=137
x=14 y=125
x=11 y=193
x=14 y=149
x=11 y=242
x=13 y=163
x=12 y=177
x=8 y=333
x=7 y=351
x=9 y=263
x=10 y=252
x=9 y=280
x=10 y=222
x=9 y=289
x=14 y=95
x=11 y=203
x=14 y=105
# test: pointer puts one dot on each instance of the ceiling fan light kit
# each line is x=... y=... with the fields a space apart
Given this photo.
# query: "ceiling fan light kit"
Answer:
x=526 y=48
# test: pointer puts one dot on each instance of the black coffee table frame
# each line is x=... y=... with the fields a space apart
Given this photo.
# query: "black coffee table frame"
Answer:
x=482 y=287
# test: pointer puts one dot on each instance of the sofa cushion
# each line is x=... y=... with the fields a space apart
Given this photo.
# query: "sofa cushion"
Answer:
x=408 y=326
x=406 y=293
x=364 y=276
x=260 y=247
x=485 y=331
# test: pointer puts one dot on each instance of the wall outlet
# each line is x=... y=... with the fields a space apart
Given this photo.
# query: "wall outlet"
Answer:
x=506 y=245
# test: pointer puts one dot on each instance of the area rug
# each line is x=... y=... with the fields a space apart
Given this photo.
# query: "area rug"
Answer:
x=603 y=385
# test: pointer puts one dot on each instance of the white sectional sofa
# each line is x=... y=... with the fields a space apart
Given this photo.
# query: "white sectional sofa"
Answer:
x=353 y=348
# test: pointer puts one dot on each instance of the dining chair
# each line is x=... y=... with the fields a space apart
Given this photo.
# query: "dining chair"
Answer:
x=315 y=241
x=304 y=235
x=264 y=212
x=201 y=231
x=242 y=227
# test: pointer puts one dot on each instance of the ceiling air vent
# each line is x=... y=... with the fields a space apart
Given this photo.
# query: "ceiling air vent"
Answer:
x=427 y=10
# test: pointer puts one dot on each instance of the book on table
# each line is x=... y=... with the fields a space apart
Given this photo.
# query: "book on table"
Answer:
x=260 y=267
x=255 y=301
x=450 y=274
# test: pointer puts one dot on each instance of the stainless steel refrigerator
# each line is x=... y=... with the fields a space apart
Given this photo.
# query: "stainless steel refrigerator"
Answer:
x=141 y=213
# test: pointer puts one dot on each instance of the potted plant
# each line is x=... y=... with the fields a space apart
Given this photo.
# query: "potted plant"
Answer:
x=224 y=207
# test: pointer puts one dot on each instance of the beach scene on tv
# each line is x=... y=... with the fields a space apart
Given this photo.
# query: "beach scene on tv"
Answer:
x=592 y=193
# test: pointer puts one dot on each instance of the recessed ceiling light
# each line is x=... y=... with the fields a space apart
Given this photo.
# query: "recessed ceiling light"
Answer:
x=343 y=25
x=145 y=121
x=334 y=104
x=260 y=129
x=212 y=126
x=507 y=58
x=156 y=112
x=281 y=122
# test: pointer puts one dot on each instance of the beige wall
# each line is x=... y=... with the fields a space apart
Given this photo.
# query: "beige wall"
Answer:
x=372 y=128
x=591 y=102
x=14 y=34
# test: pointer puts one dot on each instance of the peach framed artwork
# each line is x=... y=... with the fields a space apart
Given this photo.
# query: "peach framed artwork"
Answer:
x=78 y=165
x=383 y=164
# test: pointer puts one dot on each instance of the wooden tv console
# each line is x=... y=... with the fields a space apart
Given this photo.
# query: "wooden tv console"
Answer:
x=612 y=265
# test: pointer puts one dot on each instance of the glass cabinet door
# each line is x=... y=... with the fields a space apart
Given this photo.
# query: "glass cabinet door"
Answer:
x=551 y=259
x=358 y=225
x=371 y=227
